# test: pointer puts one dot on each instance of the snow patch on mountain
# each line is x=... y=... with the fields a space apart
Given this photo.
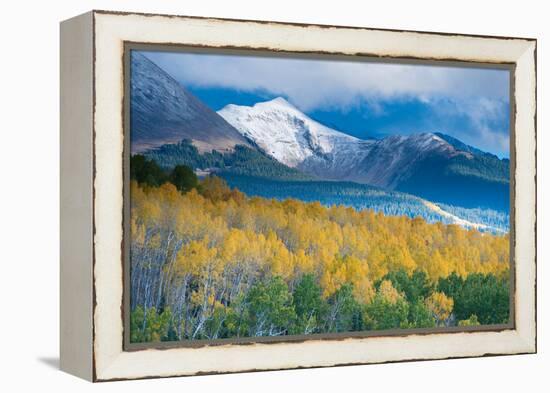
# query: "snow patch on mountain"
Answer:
x=461 y=221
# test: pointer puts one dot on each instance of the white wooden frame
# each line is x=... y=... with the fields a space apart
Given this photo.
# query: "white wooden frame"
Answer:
x=92 y=143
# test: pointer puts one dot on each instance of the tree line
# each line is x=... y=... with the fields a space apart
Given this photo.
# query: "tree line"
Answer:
x=242 y=160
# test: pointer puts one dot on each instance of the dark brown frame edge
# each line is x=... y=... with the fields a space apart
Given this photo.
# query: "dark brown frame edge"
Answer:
x=512 y=157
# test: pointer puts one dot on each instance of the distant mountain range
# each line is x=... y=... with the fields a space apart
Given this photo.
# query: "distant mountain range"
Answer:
x=434 y=166
x=277 y=140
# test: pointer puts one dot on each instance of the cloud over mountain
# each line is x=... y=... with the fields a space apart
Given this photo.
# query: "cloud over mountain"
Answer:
x=480 y=96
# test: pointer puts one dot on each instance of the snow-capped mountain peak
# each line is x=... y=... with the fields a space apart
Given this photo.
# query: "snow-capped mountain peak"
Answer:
x=284 y=132
x=279 y=101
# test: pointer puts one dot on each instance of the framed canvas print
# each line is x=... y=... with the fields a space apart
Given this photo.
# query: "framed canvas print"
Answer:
x=246 y=195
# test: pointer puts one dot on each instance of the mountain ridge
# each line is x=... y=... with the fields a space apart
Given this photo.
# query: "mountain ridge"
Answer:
x=396 y=162
x=283 y=131
x=162 y=111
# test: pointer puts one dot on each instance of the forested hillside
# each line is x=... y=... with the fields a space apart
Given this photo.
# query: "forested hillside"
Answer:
x=242 y=161
x=208 y=262
x=493 y=218
x=362 y=196
x=480 y=181
x=256 y=174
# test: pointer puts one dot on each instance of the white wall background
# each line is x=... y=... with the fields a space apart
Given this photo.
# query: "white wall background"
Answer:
x=29 y=183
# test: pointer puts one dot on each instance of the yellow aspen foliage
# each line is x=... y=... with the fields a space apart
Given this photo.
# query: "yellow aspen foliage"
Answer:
x=138 y=231
x=303 y=262
x=220 y=231
x=214 y=260
x=388 y=292
x=440 y=306
x=193 y=257
x=363 y=290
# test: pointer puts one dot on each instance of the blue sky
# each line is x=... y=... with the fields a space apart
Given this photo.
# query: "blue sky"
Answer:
x=364 y=99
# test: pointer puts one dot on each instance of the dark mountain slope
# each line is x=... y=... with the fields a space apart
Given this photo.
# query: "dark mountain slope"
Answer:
x=471 y=182
x=162 y=112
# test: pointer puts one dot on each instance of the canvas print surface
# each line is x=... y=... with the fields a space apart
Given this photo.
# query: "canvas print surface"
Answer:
x=276 y=196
